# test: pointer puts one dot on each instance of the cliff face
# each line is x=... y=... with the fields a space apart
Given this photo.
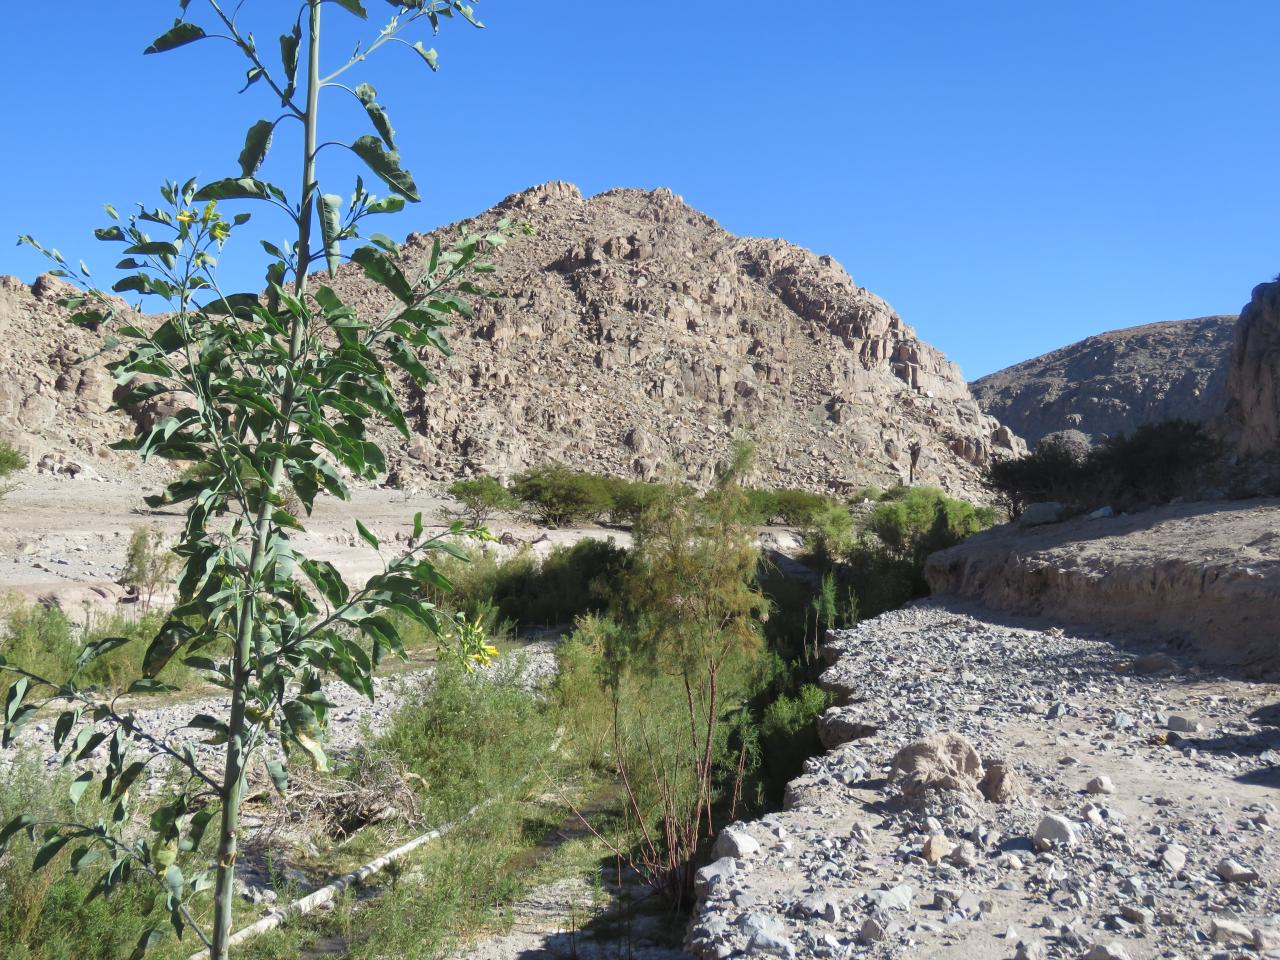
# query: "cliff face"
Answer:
x=631 y=334
x=1116 y=381
x=1252 y=418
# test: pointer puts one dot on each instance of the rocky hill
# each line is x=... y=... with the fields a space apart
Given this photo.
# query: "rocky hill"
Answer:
x=632 y=334
x=1116 y=381
x=1252 y=418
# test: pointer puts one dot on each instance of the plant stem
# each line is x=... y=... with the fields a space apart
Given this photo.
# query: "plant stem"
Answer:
x=238 y=745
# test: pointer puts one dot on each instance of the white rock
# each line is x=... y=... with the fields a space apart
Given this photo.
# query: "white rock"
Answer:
x=1107 y=951
x=1233 y=872
x=1228 y=931
x=1101 y=784
x=1055 y=830
x=734 y=841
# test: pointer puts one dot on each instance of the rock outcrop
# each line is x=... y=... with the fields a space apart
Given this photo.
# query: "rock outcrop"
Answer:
x=1252 y=419
x=1116 y=381
x=631 y=334
x=1204 y=574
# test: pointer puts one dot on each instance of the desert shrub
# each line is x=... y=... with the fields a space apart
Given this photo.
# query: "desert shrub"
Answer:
x=470 y=736
x=11 y=461
x=1158 y=462
x=43 y=640
x=629 y=500
x=149 y=565
x=920 y=520
x=557 y=496
x=788 y=734
x=482 y=498
x=761 y=506
x=569 y=582
x=799 y=508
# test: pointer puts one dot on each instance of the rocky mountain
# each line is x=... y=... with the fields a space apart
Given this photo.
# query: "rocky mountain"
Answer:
x=1116 y=381
x=1252 y=418
x=631 y=334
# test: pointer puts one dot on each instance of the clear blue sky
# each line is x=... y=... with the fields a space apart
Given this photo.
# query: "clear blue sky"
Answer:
x=1011 y=176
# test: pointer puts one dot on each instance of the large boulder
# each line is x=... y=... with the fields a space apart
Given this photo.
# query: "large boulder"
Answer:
x=1253 y=376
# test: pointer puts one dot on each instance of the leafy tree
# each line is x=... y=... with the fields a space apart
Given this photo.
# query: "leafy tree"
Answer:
x=148 y=564
x=558 y=496
x=274 y=387
x=692 y=596
x=481 y=498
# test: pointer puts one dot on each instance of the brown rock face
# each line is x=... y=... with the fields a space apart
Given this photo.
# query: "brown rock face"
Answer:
x=1116 y=381
x=1253 y=378
x=632 y=335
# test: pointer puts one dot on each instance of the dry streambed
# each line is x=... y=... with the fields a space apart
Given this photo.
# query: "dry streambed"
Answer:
x=1075 y=799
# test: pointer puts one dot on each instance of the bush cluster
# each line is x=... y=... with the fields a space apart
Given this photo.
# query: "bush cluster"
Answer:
x=1157 y=463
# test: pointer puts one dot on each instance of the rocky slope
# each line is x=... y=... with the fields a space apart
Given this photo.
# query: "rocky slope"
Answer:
x=1252 y=419
x=1116 y=381
x=998 y=787
x=1206 y=574
x=631 y=334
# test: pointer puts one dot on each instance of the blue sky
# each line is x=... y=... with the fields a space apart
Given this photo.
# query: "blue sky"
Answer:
x=1011 y=176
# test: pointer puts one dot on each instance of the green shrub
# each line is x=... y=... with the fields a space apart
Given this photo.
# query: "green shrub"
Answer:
x=630 y=500
x=11 y=461
x=44 y=641
x=921 y=520
x=789 y=734
x=482 y=498
x=149 y=565
x=1157 y=463
x=556 y=496
x=761 y=506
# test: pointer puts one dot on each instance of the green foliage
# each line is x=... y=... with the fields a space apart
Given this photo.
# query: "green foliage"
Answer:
x=630 y=500
x=149 y=565
x=265 y=389
x=557 y=496
x=921 y=520
x=1157 y=463
x=788 y=506
x=788 y=734
x=569 y=582
x=40 y=639
x=11 y=461
x=482 y=498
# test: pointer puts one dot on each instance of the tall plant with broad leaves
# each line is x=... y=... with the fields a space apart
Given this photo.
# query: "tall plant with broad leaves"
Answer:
x=264 y=388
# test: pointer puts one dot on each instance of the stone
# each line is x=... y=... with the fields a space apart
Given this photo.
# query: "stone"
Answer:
x=1103 y=513
x=1056 y=831
x=895 y=898
x=1222 y=930
x=945 y=762
x=1252 y=416
x=1265 y=939
x=714 y=873
x=770 y=944
x=1183 y=725
x=1029 y=950
x=936 y=848
x=1041 y=514
x=734 y=841
x=999 y=784
x=818 y=905
x=1230 y=871
x=1100 y=785
x=1173 y=857
x=1107 y=951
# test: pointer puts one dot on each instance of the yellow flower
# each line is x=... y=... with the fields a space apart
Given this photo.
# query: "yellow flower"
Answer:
x=187 y=216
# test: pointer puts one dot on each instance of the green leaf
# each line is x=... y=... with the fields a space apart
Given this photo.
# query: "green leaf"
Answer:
x=429 y=55
x=377 y=113
x=96 y=649
x=279 y=776
x=380 y=268
x=391 y=204
x=180 y=34
x=366 y=534
x=353 y=6
x=289 y=56
x=148 y=940
x=331 y=228
x=78 y=786
x=24 y=821
x=238 y=188
x=173 y=880
x=386 y=164
x=47 y=852
x=256 y=144
x=417 y=525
